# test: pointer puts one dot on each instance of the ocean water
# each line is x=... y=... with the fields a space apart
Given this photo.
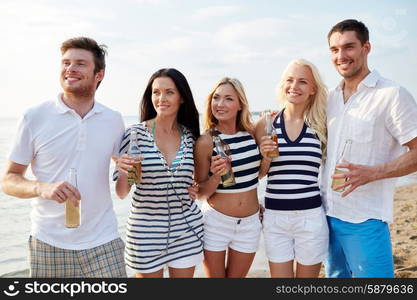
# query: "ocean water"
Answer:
x=15 y=222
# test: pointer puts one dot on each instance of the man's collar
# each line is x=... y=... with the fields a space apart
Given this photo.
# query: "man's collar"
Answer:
x=63 y=108
x=369 y=81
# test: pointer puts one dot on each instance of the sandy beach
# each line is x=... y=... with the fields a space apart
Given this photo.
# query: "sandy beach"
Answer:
x=403 y=235
x=404 y=232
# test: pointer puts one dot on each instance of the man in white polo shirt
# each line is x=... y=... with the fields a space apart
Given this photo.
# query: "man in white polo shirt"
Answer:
x=72 y=131
x=380 y=118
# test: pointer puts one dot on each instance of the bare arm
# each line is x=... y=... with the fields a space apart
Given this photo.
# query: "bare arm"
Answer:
x=265 y=145
x=203 y=162
x=124 y=164
x=360 y=174
x=15 y=184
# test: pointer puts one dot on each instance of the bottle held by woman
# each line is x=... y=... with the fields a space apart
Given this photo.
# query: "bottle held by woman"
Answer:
x=228 y=178
x=271 y=133
x=135 y=173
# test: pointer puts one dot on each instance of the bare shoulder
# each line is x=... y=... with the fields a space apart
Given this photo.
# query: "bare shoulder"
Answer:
x=204 y=146
x=260 y=128
x=205 y=140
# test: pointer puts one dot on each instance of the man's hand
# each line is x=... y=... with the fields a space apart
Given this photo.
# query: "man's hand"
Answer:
x=356 y=176
x=59 y=192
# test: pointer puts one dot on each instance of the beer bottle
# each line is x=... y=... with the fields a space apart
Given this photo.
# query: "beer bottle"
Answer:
x=344 y=158
x=134 y=174
x=228 y=178
x=72 y=212
x=270 y=131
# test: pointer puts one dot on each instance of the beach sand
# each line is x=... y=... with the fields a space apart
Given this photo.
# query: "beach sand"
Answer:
x=404 y=232
x=403 y=236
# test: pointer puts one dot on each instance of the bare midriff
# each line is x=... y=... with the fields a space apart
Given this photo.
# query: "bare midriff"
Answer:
x=238 y=205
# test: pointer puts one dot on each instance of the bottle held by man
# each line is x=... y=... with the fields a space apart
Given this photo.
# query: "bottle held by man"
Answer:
x=228 y=178
x=344 y=158
x=270 y=131
x=72 y=212
x=134 y=174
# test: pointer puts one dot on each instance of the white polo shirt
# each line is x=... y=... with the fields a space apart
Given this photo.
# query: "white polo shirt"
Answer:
x=53 y=138
x=379 y=117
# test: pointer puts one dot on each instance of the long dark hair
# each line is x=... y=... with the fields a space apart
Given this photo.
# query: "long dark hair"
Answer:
x=187 y=113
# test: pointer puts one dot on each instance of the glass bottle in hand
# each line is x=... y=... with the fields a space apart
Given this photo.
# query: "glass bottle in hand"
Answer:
x=134 y=174
x=344 y=158
x=72 y=212
x=228 y=178
x=270 y=131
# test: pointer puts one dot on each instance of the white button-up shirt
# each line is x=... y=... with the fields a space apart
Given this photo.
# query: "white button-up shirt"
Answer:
x=379 y=118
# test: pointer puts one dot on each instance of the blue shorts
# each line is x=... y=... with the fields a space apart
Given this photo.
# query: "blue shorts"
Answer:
x=359 y=249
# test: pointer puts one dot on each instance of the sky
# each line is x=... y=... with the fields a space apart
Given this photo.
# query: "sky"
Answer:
x=205 y=40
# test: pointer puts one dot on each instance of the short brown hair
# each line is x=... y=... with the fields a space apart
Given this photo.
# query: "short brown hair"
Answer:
x=99 y=51
x=358 y=27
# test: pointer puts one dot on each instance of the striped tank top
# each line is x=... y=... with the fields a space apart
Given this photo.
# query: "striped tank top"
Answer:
x=164 y=223
x=293 y=175
x=246 y=160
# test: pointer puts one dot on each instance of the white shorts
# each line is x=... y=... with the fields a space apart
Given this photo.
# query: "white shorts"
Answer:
x=222 y=231
x=187 y=262
x=302 y=235
x=181 y=263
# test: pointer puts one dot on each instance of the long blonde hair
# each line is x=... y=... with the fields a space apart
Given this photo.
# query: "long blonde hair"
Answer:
x=315 y=112
x=243 y=119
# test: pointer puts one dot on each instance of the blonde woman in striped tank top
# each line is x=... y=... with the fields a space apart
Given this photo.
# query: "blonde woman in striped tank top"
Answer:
x=294 y=225
x=232 y=225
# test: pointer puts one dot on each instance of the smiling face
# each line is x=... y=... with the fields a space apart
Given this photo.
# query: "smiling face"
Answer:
x=225 y=103
x=166 y=98
x=77 y=72
x=349 y=56
x=298 y=84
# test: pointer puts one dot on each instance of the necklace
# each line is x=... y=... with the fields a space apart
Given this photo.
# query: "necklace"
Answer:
x=183 y=145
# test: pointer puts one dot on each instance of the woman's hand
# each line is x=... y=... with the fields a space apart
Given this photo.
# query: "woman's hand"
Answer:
x=219 y=165
x=125 y=163
x=267 y=145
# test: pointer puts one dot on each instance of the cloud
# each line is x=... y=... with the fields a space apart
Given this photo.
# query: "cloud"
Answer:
x=152 y=2
x=216 y=11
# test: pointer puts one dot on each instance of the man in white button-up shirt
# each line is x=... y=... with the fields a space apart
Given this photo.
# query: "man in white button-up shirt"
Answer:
x=380 y=118
x=71 y=131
